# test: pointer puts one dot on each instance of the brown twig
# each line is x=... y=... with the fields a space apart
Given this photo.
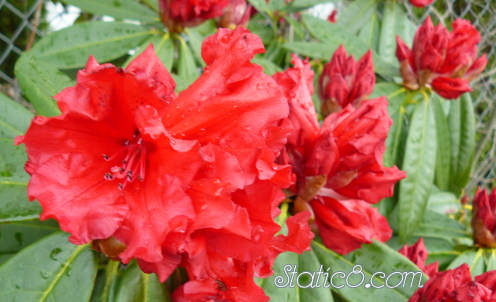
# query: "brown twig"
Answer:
x=35 y=26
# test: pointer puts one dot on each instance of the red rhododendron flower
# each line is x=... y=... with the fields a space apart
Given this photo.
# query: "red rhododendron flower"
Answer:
x=484 y=218
x=177 y=14
x=236 y=13
x=488 y=279
x=417 y=253
x=339 y=167
x=186 y=180
x=454 y=285
x=445 y=61
x=421 y=3
x=344 y=81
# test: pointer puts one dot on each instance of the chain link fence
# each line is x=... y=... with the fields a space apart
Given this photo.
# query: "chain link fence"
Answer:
x=23 y=21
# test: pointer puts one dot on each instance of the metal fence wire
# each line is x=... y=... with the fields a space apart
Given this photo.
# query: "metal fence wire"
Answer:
x=24 y=21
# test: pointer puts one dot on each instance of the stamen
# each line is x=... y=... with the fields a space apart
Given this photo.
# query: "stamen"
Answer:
x=131 y=162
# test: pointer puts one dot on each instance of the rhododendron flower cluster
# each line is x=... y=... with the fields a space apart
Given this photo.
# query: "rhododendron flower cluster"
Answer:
x=344 y=81
x=338 y=165
x=176 y=180
x=484 y=218
x=456 y=285
x=445 y=61
x=177 y=14
x=417 y=253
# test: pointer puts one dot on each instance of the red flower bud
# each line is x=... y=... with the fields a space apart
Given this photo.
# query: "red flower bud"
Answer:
x=421 y=3
x=236 y=13
x=417 y=253
x=344 y=81
x=445 y=61
x=454 y=285
x=484 y=218
x=177 y=14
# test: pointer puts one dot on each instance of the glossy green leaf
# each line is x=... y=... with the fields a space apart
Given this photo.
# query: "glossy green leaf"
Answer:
x=52 y=269
x=394 y=23
x=14 y=204
x=395 y=95
x=260 y=6
x=186 y=66
x=442 y=237
x=17 y=235
x=40 y=82
x=163 y=46
x=136 y=286
x=298 y=5
x=370 y=32
x=444 y=202
x=462 y=129
x=418 y=163
x=269 y=67
x=443 y=155
x=71 y=47
x=373 y=258
x=282 y=286
x=195 y=41
x=357 y=14
x=310 y=49
x=474 y=258
x=106 y=282
x=333 y=35
x=119 y=9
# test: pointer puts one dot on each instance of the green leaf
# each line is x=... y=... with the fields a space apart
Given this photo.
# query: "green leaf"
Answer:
x=474 y=258
x=40 y=82
x=134 y=286
x=310 y=49
x=357 y=14
x=106 y=282
x=119 y=9
x=261 y=6
x=373 y=258
x=14 y=204
x=443 y=158
x=186 y=66
x=394 y=23
x=395 y=95
x=195 y=41
x=269 y=67
x=71 y=47
x=299 y=5
x=443 y=237
x=302 y=287
x=333 y=35
x=462 y=129
x=163 y=46
x=418 y=163
x=444 y=202
x=370 y=32
x=17 y=235
x=52 y=269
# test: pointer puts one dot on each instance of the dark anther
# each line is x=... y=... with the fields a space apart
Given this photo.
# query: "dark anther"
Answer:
x=105 y=157
x=121 y=186
x=108 y=176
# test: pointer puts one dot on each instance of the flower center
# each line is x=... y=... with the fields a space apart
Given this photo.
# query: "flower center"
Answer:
x=131 y=159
